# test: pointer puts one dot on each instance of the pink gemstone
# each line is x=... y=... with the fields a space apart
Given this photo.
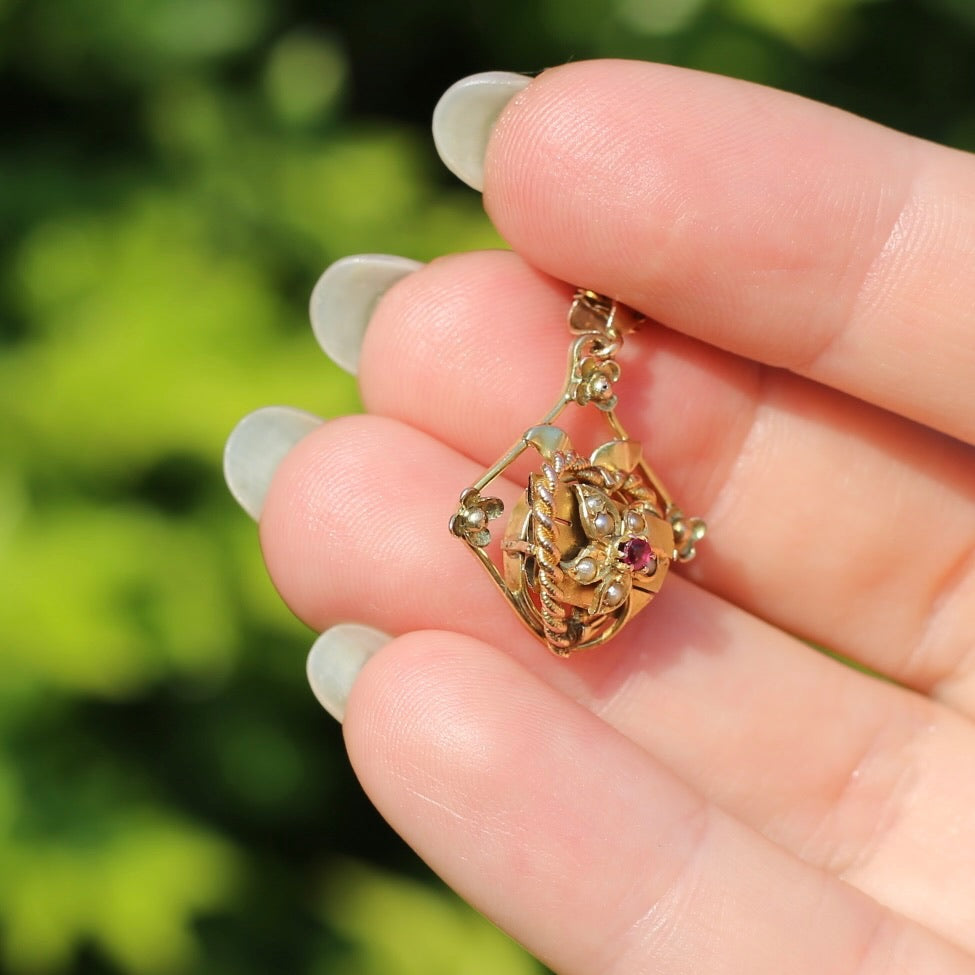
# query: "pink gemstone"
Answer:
x=637 y=554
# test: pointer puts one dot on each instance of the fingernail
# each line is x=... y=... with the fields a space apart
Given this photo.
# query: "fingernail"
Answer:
x=343 y=300
x=255 y=449
x=335 y=660
x=465 y=116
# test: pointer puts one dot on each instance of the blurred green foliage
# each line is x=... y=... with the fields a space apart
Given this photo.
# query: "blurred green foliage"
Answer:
x=174 y=175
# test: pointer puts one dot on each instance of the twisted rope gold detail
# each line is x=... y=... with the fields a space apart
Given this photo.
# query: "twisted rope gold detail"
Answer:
x=558 y=631
x=547 y=555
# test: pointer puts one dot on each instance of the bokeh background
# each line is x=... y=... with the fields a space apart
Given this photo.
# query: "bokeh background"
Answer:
x=174 y=175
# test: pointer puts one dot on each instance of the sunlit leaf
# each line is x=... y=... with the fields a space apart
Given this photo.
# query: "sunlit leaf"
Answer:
x=401 y=927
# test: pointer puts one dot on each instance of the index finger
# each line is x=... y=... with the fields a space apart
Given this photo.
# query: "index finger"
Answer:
x=777 y=228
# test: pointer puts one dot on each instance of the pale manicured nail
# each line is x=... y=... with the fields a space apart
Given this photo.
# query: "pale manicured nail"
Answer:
x=255 y=449
x=343 y=300
x=465 y=116
x=335 y=660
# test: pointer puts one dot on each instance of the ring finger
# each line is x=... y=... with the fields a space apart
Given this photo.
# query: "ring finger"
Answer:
x=358 y=508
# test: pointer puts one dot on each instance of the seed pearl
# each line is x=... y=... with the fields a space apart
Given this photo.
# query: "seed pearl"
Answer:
x=635 y=521
x=603 y=523
x=475 y=518
x=614 y=595
x=585 y=570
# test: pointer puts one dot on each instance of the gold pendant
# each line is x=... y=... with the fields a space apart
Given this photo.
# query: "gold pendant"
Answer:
x=590 y=541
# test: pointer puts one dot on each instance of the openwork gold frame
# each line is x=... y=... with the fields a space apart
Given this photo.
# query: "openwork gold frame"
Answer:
x=589 y=543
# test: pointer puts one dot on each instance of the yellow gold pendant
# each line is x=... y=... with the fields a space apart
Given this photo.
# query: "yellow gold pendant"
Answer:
x=591 y=539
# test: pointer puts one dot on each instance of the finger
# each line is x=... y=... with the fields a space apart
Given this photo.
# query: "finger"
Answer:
x=583 y=847
x=785 y=231
x=355 y=525
x=835 y=520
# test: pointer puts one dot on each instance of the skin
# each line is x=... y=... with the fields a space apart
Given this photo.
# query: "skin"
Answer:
x=707 y=793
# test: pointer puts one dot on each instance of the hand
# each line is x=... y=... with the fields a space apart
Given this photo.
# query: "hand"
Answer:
x=706 y=793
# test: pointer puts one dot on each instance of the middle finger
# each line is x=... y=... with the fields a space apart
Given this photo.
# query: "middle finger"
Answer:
x=831 y=518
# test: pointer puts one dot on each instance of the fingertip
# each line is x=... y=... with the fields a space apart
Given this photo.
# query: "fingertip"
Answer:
x=464 y=119
x=335 y=661
x=344 y=298
x=256 y=448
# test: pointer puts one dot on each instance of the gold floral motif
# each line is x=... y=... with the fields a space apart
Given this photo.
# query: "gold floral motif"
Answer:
x=687 y=533
x=587 y=546
x=595 y=385
x=618 y=548
x=471 y=520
